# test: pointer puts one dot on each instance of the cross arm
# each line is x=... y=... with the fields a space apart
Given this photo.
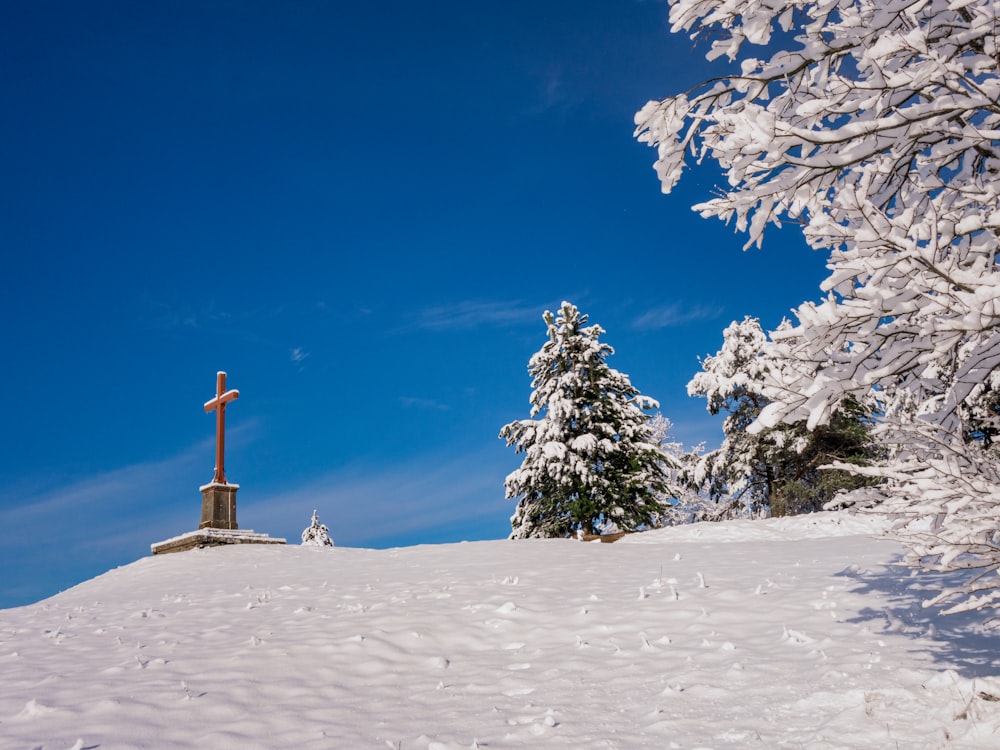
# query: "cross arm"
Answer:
x=225 y=398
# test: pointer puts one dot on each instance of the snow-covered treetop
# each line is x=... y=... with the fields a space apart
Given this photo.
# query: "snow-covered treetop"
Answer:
x=737 y=368
x=873 y=124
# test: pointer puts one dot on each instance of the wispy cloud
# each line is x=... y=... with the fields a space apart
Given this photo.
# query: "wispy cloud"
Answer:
x=366 y=505
x=299 y=355
x=120 y=490
x=248 y=324
x=471 y=314
x=554 y=91
x=558 y=91
x=412 y=402
x=53 y=537
x=207 y=316
x=676 y=314
x=90 y=504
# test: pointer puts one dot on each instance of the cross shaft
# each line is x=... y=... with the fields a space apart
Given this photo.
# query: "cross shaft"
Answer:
x=218 y=404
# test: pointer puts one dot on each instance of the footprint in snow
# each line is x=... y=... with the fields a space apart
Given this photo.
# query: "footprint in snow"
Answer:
x=794 y=636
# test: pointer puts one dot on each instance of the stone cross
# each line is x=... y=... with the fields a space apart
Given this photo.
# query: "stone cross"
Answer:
x=218 y=404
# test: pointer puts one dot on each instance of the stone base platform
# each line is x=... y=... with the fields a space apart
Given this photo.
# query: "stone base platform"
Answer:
x=211 y=538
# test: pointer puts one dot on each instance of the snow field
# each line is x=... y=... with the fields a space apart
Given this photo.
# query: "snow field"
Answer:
x=712 y=636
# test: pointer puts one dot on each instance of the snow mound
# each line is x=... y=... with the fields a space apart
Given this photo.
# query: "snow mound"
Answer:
x=807 y=642
x=813 y=526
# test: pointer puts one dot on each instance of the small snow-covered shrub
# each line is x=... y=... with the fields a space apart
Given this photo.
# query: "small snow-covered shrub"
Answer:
x=317 y=535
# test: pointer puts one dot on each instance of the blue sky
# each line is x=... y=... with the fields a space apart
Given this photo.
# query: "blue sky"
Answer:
x=360 y=211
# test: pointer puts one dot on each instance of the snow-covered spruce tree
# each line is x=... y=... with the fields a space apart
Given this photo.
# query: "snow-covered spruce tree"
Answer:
x=316 y=534
x=776 y=471
x=590 y=461
x=683 y=502
x=874 y=125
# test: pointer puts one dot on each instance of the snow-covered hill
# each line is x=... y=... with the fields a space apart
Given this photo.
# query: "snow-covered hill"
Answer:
x=775 y=634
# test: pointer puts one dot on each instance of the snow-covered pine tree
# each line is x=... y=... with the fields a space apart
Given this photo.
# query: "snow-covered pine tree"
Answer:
x=316 y=534
x=777 y=471
x=590 y=461
x=683 y=502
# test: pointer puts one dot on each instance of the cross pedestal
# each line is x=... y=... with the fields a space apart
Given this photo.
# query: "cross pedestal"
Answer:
x=218 y=506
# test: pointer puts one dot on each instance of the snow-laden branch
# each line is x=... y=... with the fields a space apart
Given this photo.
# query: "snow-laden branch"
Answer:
x=875 y=126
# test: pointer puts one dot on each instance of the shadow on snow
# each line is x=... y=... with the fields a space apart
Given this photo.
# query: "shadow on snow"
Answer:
x=967 y=642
